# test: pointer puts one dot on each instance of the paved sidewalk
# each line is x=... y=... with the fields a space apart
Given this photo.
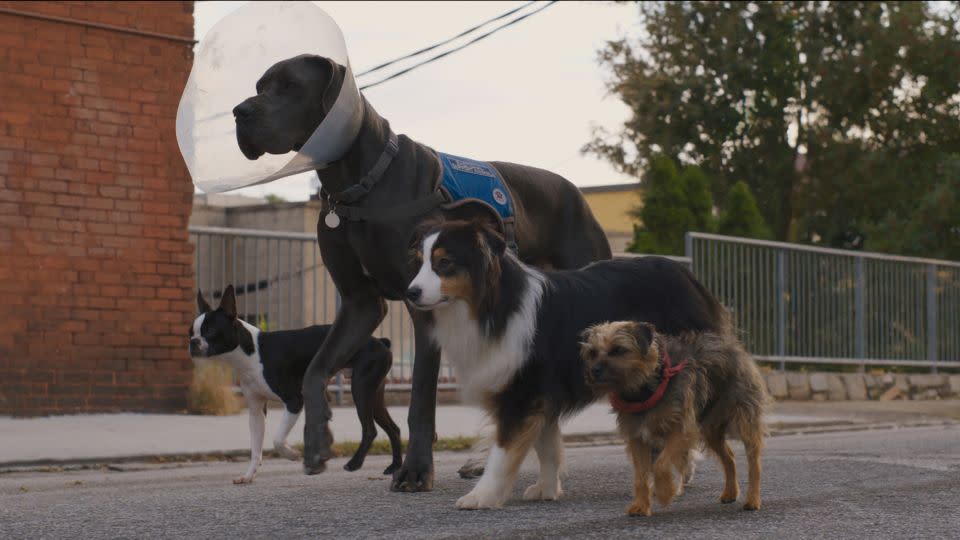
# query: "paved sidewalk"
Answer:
x=115 y=436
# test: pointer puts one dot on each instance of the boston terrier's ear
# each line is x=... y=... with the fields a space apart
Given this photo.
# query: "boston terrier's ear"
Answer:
x=202 y=304
x=228 y=303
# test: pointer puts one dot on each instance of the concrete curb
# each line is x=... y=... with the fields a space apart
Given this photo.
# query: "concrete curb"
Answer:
x=147 y=461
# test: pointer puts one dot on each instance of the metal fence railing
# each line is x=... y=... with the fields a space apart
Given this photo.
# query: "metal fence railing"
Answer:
x=793 y=303
x=809 y=304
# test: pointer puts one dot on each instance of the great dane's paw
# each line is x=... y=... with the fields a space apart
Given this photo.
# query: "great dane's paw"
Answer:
x=413 y=477
x=537 y=493
x=392 y=468
x=284 y=451
x=353 y=464
x=245 y=479
x=315 y=469
x=317 y=449
x=479 y=499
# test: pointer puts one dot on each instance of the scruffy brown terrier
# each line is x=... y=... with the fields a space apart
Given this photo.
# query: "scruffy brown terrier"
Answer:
x=674 y=393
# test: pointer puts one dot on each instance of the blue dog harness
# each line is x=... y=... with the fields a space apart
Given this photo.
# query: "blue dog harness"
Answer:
x=468 y=181
x=462 y=181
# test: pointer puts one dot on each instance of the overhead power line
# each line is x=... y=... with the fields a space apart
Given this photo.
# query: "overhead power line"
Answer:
x=444 y=42
x=459 y=48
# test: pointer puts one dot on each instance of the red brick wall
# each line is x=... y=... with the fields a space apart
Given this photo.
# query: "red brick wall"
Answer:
x=95 y=264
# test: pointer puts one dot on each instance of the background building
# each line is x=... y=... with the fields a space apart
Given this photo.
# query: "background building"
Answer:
x=611 y=205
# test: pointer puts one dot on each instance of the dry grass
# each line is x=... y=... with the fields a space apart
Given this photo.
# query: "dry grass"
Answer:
x=382 y=446
x=211 y=391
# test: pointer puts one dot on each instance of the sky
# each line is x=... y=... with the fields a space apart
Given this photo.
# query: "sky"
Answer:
x=529 y=94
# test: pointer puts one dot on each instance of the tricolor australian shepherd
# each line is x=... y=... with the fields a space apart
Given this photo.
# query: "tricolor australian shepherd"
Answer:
x=512 y=334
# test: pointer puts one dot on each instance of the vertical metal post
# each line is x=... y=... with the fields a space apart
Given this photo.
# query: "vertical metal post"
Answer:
x=932 y=321
x=211 y=289
x=860 y=339
x=223 y=265
x=256 y=276
x=688 y=248
x=781 y=309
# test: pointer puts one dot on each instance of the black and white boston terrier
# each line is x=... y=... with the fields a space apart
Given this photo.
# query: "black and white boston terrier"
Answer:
x=270 y=367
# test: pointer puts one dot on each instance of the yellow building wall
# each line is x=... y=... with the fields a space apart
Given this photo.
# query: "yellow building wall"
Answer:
x=612 y=210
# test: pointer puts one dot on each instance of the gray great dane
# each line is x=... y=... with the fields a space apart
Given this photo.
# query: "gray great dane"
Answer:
x=368 y=253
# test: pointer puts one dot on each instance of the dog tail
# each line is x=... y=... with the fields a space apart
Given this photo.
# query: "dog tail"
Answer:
x=385 y=341
x=719 y=318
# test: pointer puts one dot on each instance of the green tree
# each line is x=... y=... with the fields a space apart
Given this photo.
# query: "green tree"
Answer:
x=741 y=217
x=674 y=203
x=273 y=198
x=696 y=188
x=928 y=224
x=831 y=112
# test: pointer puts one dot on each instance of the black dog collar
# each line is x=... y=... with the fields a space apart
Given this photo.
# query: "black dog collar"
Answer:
x=357 y=191
x=340 y=202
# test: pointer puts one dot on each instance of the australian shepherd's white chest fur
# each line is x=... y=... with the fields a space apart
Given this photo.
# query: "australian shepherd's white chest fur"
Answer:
x=486 y=363
x=485 y=354
x=512 y=334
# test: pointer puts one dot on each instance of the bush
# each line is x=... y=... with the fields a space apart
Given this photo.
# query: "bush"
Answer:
x=211 y=391
x=741 y=216
x=674 y=203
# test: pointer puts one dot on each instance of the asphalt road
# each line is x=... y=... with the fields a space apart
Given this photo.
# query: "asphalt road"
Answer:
x=900 y=483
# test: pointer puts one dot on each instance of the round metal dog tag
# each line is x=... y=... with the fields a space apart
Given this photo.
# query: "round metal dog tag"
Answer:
x=332 y=220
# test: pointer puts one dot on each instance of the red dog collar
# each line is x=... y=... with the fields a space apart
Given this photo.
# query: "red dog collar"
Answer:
x=620 y=405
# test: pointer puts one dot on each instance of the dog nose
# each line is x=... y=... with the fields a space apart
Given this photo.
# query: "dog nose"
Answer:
x=598 y=370
x=243 y=110
x=414 y=293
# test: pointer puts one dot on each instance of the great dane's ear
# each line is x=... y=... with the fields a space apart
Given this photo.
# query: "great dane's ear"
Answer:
x=334 y=74
x=642 y=333
x=202 y=305
x=228 y=303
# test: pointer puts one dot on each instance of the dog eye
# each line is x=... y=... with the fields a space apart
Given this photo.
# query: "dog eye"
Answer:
x=617 y=350
x=443 y=264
